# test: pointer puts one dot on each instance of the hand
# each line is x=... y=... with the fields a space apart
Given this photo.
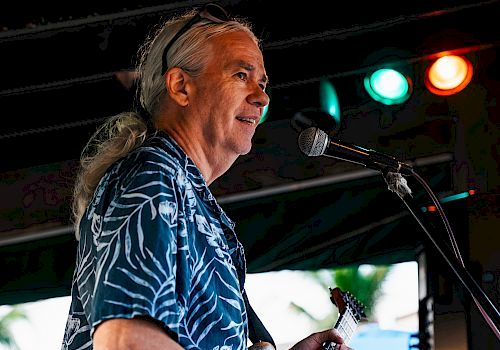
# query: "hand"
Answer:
x=262 y=345
x=315 y=341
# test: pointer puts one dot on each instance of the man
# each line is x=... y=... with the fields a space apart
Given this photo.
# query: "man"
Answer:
x=159 y=265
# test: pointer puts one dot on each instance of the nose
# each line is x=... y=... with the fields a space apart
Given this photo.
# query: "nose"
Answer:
x=258 y=97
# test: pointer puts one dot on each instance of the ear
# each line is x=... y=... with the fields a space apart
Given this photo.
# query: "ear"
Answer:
x=175 y=83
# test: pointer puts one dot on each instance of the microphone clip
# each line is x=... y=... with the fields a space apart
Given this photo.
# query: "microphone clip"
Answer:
x=397 y=183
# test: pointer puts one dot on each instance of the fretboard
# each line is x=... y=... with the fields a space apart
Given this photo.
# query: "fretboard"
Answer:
x=346 y=326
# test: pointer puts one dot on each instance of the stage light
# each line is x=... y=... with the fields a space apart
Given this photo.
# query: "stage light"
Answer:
x=450 y=198
x=448 y=75
x=388 y=86
x=455 y=197
x=431 y=209
x=264 y=114
x=329 y=100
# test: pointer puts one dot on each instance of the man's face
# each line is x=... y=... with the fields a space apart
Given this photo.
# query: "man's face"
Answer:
x=228 y=97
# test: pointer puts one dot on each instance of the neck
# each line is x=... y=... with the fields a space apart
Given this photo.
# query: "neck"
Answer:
x=346 y=326
x=212 y=164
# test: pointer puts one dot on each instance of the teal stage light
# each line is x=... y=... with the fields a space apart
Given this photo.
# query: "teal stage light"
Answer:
x=388 y=86
x=264 y=114
x=329 y=100
x=455 y=197
x=450 y=198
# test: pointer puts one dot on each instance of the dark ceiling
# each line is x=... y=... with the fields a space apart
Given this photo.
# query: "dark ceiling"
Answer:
x=61 y=76
x=59 y=62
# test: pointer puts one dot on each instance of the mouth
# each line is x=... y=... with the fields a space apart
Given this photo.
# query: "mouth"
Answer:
x=248 y=120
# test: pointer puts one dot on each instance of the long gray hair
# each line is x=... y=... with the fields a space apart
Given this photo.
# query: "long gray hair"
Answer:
x=122 y=133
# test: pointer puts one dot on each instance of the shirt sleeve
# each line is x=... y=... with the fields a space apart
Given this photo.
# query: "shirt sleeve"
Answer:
x=140 y=246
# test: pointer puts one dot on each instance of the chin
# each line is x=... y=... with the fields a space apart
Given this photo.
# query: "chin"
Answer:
x=242 y=153
x=245 y=150
x=249 y=148
x=239 y=146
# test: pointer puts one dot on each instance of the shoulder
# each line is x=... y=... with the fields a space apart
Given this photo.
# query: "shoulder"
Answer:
x=151 y=156
x=151 y=160
x=151 y=167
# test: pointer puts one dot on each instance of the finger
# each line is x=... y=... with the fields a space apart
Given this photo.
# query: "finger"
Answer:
x=262 y=345
x=343 y=347
x=330 y=335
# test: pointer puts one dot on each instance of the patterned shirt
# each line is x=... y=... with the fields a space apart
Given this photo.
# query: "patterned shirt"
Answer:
x=155 y=243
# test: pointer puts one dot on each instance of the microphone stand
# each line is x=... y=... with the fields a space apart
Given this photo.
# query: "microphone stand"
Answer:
x=488 y=310
x=314 y=142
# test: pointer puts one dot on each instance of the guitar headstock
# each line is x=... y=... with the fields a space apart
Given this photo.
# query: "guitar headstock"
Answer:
x=345 y=302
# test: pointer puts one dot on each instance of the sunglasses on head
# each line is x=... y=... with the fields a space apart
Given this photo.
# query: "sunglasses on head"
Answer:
x=212 y=12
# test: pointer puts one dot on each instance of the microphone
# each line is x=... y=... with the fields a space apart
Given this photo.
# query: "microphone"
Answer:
x=315 y=142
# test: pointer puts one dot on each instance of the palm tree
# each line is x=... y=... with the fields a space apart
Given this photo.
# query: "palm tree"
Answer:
x=6 y=337
x=364 y=284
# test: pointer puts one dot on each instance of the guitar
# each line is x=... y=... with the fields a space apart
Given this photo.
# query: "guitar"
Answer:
x=351 y=312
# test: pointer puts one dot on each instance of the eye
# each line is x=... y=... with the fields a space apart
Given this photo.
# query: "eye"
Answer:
x=242 y=75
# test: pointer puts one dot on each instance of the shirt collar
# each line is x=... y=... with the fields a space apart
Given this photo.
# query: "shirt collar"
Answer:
x=167 y=143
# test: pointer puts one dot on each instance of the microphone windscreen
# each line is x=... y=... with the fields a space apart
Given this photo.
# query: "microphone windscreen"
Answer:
x=313 y=141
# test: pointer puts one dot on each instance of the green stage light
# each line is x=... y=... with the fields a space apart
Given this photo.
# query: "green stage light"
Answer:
x=264 y=114
x=329 y=100
x=388 y=86
x=453 y=197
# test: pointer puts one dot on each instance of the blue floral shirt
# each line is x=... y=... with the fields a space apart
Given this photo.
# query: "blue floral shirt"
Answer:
x=155 y=243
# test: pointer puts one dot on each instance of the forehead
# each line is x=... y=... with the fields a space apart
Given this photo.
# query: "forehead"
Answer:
x=230 y=48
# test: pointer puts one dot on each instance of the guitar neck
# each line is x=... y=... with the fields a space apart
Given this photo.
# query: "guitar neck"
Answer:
x=351 y=312
x=346 y=326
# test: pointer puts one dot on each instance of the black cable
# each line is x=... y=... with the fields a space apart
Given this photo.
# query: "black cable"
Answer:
x=441 y=212
x=484 y=304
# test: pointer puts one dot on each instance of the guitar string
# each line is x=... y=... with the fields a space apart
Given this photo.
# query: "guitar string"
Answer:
x=351 y=321
x=351 y=324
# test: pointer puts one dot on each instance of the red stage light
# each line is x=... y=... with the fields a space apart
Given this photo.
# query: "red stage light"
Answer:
x=448 y=75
